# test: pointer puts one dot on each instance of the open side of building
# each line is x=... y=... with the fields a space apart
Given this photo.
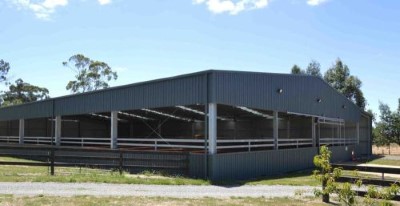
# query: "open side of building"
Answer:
x=232 y=125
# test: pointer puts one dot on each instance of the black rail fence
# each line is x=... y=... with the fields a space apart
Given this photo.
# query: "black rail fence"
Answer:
x=121 y=160
x=368 y=180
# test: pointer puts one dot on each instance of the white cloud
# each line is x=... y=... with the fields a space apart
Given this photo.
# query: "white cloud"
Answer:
x=43 y=9
x=232 y=7
x=104 y=2
x=315 y=2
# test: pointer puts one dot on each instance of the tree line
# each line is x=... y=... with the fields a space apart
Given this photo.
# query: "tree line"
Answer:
x=386 y=130
x=90 y=75
x=338 y=76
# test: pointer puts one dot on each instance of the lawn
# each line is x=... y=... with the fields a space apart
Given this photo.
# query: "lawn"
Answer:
x=121 y=201
x=10 y=173
x=382 y=161
x=295 y=179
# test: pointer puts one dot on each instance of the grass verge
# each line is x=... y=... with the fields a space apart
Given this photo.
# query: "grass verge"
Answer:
x=10 y=173
x=122 y=201
x=382 y=161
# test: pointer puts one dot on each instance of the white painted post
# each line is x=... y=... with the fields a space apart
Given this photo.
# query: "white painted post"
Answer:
x=21 y=131
x=358 y=132
x=313 y=132
x=276 y=129
x=212 y=128
x=114 y=129
x=57 y=130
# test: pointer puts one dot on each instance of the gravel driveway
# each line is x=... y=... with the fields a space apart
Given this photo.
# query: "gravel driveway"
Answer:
x=71 y=189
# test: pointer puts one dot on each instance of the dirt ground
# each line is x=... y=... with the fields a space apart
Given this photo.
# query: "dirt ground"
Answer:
x=393 y=149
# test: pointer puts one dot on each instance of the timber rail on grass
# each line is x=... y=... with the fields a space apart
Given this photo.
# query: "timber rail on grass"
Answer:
x=121 y=160
x=370 y=181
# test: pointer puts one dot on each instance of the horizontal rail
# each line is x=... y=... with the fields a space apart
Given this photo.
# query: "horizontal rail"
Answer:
x=369 y=181
x=48 y=138
x=243 y=140
x=388 y=170
x=161 y=140
x=120 y=159
x=156 y=143
x=24 y=163
x=245 y=146
x=161 y=145
x=364 y=193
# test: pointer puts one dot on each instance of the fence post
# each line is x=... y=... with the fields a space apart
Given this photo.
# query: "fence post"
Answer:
x=121 y=162
x=52 y=156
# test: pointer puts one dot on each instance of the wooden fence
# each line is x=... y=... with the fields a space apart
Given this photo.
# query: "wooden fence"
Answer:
x=370 y=180
x=121 y=160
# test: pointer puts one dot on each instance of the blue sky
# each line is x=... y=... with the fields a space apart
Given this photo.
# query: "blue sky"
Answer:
x=149 y=39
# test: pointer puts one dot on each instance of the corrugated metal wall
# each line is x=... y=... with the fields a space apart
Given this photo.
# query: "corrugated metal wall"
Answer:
x=300 y=93
x=342 y=153
x=196 y=165
x=247 y=165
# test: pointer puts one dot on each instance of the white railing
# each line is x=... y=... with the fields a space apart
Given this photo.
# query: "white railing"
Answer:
x=261 y=143
x=338 y=141
x=85 y=141
x=244 y=143
x=165 y=143
x=156 y=143
x=135 y=142
x=9 y=139
x=295 y=142
x=37 y=140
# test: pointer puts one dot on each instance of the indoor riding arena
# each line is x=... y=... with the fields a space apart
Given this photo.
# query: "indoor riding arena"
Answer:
x=215 y=124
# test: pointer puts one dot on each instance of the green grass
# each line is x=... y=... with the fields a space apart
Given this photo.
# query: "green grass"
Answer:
x=382 y=161
x=10 y=173
x=295 y=179
x=122 y=201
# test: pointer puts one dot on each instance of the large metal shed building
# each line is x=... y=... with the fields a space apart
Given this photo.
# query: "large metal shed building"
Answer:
x=230 y=124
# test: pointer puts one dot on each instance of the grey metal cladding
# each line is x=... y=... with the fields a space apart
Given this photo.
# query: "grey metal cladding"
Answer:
x=180 y=91
x=27 y=111
x=300 y=93
x=251 y=89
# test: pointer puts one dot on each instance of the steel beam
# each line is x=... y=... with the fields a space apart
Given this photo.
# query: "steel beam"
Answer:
x=114 y=130
x=313 y=132
x=276 y=129
x=21 y=131
x=57 y=130
x=212 y=128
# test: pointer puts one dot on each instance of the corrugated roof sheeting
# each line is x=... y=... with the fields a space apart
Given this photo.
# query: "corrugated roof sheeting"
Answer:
x=300 y=94
x=27 y=111
x=250 y=89
x=181 y=91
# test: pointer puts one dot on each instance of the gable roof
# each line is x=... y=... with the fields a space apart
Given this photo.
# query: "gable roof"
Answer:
x=250 y=89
